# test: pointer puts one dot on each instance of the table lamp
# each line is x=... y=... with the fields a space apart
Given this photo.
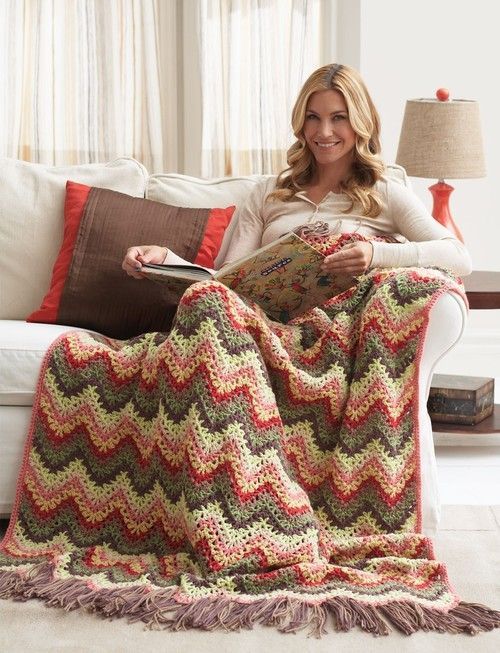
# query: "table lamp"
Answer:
x=441 y=138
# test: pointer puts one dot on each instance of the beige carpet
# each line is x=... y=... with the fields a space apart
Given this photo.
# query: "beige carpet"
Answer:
x=468 y=542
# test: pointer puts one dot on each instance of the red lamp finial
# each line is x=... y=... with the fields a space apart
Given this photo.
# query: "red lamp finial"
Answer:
x=443 y=94
x=441 y=191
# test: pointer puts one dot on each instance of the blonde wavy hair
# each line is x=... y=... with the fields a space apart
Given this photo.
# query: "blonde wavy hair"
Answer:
x=367 y=166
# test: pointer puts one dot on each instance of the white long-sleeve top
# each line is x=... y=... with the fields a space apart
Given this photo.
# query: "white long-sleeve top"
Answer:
x=422 y=241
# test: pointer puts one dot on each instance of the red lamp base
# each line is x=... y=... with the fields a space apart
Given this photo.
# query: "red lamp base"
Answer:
x=440 y=211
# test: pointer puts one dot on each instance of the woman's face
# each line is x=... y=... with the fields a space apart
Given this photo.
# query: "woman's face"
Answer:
x=327 y=129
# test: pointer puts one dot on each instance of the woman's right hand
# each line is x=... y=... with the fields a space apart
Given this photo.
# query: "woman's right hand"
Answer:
x=139 y=254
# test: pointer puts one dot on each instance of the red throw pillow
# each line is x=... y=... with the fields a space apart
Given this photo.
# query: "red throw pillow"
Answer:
x=99 y=226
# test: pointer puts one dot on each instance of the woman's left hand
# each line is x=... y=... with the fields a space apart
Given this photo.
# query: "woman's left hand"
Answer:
x=354 y=259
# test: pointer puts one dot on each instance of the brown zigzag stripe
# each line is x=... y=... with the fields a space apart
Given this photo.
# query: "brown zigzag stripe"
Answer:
x=344 y=515
x=239 y=471
x=112 y=532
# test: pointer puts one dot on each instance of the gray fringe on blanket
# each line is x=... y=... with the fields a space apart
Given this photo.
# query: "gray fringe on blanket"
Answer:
x=159 y=608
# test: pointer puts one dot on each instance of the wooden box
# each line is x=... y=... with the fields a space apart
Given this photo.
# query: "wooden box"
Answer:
x=460 y=399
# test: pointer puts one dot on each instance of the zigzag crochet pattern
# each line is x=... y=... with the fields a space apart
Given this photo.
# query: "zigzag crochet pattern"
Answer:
x=238 y=470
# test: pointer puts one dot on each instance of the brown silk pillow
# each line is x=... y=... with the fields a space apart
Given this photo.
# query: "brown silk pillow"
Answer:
x=96 y=293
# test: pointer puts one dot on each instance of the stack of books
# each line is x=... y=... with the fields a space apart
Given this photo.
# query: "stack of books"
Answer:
x=461 y=399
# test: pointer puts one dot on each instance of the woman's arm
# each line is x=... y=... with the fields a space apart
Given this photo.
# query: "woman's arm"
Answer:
x=429 y=243
x=249 y=223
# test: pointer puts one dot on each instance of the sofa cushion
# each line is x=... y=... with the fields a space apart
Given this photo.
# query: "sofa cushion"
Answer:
x=31 y=224
x=194 y=192
x=22 y=348
x=89 y=288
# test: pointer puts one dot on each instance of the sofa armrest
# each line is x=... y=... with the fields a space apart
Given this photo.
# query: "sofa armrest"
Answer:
x=447 y=320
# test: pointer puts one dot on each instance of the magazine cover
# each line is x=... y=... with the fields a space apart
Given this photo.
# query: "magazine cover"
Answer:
x=284 y=278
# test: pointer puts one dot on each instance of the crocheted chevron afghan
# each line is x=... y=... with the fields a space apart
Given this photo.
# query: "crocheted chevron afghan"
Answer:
x=238 y=470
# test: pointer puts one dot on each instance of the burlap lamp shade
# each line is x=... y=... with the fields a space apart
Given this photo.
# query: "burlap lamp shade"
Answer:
x=441 y=139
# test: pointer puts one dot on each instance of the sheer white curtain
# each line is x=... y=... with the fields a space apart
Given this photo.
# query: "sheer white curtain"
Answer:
x=82 y=81
x=255 y=56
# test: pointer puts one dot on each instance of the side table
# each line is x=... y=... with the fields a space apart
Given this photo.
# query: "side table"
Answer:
x=483 y=289
x=483 y=292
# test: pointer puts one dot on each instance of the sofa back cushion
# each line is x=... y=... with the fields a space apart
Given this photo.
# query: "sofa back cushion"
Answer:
x=32 y=219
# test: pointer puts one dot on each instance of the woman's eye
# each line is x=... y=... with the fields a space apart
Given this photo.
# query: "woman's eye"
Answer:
x=339 y=117
x=311 y=116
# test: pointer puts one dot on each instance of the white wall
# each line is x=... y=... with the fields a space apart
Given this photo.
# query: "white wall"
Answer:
x=407 y=49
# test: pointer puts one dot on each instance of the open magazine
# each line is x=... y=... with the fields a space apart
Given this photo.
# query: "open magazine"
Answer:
x=283 y=277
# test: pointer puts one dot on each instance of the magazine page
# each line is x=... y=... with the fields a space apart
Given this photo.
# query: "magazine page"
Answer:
x=176 y=273
x=178 y=267
x=191 y=273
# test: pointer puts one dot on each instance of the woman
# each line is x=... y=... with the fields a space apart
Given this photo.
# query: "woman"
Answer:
x=237 y=470
x=336 y=176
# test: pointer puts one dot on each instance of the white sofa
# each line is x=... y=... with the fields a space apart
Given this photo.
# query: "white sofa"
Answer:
x=31 y=224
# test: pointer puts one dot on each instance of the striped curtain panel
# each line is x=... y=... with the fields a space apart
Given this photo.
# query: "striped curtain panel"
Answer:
x=82 y=81
x=255 y=56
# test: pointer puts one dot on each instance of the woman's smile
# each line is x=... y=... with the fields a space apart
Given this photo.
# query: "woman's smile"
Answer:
x=327 y=145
